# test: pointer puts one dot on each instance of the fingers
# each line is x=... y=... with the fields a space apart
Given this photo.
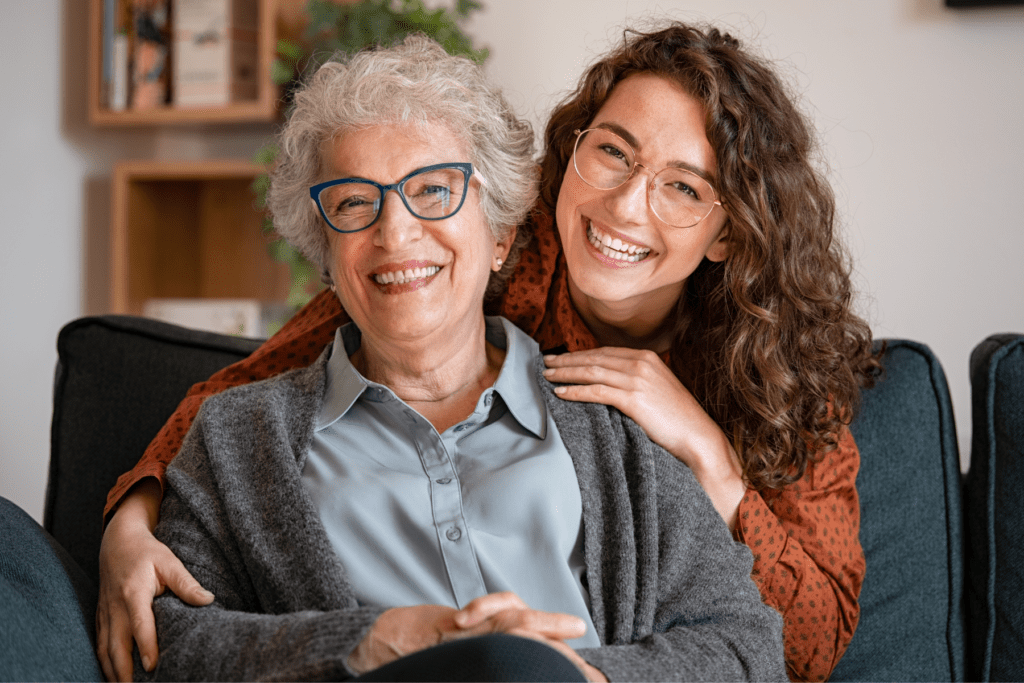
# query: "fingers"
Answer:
x=101 y=643
x=507 y=613
x=533 y=623
x=119 y=644
x=142 y=626
x=606 y=356
x=623 y=369
x=174 y=576
x=485 y=607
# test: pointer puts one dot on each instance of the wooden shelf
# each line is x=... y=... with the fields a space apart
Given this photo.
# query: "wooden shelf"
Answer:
x=277 y=18
x=189 y=229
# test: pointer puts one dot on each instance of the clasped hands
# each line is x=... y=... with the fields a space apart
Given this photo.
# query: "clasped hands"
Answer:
x=403 y=630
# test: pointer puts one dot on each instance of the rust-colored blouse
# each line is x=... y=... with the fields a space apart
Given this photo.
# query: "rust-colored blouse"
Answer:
x=808 y=562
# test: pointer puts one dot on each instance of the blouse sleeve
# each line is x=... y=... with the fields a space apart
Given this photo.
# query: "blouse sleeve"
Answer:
x=808 y=561
x=297 y=344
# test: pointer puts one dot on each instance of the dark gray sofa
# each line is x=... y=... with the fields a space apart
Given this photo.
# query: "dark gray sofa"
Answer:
x=927 y=612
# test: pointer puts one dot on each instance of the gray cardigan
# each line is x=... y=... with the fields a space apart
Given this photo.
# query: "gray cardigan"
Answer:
x=671 y=594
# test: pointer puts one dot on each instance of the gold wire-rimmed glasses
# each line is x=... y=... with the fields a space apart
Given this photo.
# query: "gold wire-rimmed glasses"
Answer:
x=677 y=196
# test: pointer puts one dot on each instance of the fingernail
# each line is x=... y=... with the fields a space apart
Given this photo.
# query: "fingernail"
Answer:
x=548 y=358
x=206 y=594
x=147 y=664
x=559 y=390
x=548 y=372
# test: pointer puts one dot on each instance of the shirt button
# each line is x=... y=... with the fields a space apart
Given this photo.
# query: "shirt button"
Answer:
x=487 y=399
x=446 y=480
x=453 y=534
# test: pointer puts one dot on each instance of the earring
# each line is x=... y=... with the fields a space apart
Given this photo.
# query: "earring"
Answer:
x=499 y=262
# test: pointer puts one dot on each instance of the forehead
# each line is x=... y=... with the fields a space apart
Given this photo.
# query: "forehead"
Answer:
x=388 y=152
x=666 y=123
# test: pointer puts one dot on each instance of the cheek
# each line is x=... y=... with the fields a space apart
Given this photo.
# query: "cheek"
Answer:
x=569 y=200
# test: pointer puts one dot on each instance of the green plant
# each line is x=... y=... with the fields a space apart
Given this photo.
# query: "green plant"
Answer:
x=349 y=27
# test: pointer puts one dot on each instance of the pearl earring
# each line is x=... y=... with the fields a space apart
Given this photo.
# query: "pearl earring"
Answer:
x=499 y=262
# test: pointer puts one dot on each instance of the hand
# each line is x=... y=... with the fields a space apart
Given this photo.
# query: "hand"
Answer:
x=507 y=613
x=639 y=384
x=134 y=568
x=401 y=631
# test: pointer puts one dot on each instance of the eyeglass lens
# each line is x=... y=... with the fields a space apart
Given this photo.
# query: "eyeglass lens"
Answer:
x=435 y=193
x=680 y=198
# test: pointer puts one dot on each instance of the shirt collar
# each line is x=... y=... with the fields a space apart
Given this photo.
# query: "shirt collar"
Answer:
x=516 y=383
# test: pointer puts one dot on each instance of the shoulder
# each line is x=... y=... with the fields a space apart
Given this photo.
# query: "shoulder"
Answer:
x=290 y=390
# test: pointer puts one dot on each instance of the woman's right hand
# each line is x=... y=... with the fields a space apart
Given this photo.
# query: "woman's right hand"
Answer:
x=135 y=568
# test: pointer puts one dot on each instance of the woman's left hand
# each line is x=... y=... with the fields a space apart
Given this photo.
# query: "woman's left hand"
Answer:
x=639 y=384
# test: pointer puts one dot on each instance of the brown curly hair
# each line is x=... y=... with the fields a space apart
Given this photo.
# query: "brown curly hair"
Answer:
x=767 y=340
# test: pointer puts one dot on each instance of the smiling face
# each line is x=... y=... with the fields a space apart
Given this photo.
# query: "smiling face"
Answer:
x=404 y=279
x=623 y=260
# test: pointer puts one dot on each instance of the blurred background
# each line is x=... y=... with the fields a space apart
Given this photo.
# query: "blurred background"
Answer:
x=918 y=107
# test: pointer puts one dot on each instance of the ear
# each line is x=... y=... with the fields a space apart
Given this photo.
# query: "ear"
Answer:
x=722 y=247
x=502 y=248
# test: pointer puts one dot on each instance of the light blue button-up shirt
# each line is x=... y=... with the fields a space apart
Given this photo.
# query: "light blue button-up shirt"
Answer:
x=418 y=517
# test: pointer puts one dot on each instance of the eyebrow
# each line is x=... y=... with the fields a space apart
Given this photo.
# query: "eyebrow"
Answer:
x=635 y=144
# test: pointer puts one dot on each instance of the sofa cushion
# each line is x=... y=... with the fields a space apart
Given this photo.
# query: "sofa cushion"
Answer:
x=995 y=560
x=911 y=622
x=46 y=629
x=118 y=379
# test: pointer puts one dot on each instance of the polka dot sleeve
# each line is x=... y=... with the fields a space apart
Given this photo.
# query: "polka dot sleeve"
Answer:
x=297 y=344
x=808 y=562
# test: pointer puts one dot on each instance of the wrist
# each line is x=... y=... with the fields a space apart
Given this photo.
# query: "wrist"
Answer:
x=141 y=505
x=718 y=469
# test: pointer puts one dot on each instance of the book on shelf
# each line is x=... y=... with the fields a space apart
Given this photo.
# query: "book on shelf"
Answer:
x=214 y=52
x=151 y=53
x=117 y=31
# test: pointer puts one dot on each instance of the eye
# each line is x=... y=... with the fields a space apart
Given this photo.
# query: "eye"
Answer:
x=681 y=189
x=354 y=203
x=437 y=190
x=614 y=152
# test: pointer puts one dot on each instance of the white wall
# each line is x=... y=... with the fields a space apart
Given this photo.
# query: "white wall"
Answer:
x=919 y=106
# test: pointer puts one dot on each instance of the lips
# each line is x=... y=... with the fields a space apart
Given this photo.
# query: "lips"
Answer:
x=614 y=247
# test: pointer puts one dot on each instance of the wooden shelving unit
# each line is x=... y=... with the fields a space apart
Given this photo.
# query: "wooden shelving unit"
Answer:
x=189 y=229
x=277 y=18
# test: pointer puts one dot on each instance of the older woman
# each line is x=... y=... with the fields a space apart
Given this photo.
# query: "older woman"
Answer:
x=419 y=484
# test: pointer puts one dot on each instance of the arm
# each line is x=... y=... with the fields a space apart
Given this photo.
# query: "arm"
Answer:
x=297 y=344
x=235 y=638
x=134 y=566
x=807 y=552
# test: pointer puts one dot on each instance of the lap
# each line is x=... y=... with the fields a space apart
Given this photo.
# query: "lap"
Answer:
x=497 y=657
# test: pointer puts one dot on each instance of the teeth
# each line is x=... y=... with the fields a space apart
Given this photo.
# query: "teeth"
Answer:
x=616 y=248
x=401 y=277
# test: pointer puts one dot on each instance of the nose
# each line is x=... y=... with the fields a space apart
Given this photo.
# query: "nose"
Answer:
x=628 y=201
x=395 y=227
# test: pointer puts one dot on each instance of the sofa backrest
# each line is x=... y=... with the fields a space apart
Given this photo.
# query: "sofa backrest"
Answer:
x=118 y=379
x=912 y=620
x=995 y=516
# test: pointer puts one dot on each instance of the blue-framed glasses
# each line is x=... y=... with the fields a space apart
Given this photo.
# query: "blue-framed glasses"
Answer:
x=431 y=193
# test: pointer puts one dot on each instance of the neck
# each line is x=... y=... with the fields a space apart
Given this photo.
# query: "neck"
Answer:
x=441 y=379
x=632 y=323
